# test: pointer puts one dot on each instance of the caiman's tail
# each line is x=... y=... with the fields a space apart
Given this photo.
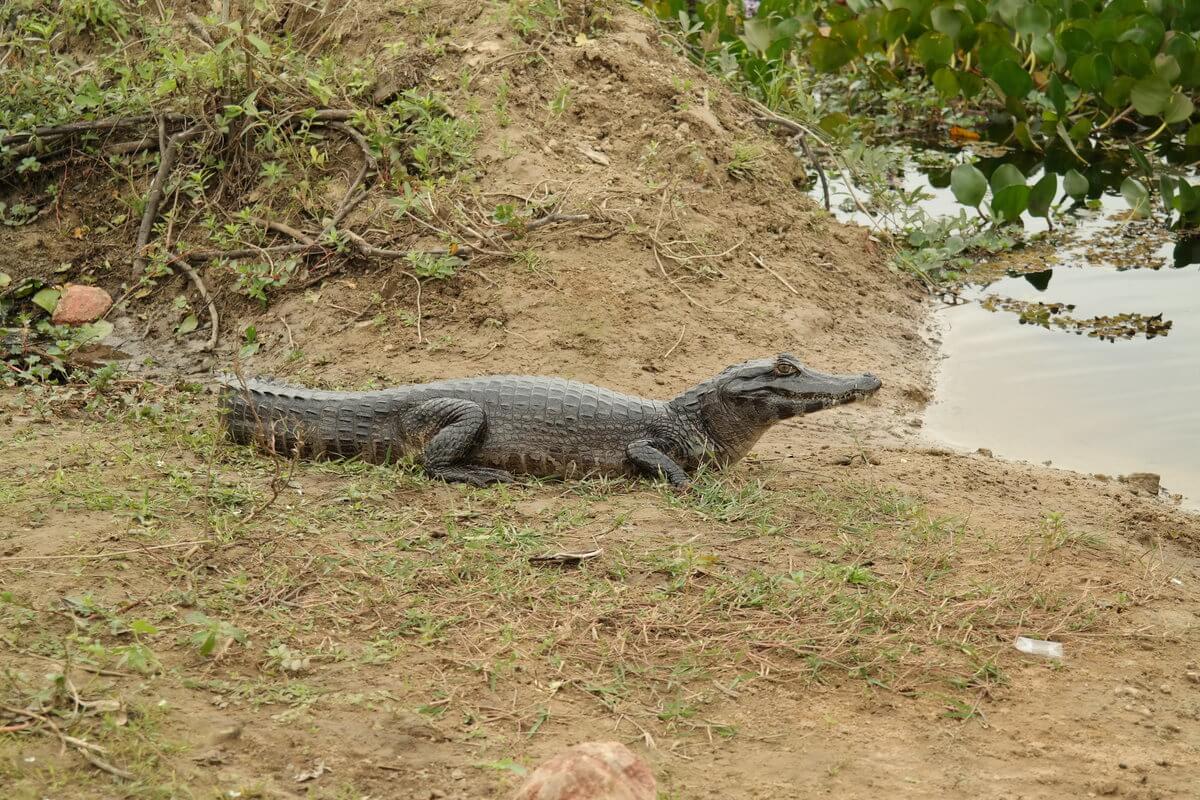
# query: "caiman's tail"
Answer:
x=295 y=421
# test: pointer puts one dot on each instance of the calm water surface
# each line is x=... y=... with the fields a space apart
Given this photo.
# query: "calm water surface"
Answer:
x=1096 y=406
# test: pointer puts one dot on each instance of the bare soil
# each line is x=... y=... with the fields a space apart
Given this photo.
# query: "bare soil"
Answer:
x=833 y=617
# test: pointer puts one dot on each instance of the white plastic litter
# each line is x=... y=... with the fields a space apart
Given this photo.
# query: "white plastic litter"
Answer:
x=1039 y=647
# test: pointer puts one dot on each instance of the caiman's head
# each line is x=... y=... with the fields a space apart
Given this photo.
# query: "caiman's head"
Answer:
x=787 y=388
x=738 y=405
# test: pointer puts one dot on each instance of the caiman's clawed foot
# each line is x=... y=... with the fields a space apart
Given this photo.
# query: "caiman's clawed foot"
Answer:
x=476 y=476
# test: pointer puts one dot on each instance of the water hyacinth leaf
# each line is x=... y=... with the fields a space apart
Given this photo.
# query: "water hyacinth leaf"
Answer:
x=1150 y=96
x=1006 y=175
x=949 y=20
x=1075 y=184
x=894 y=24
x=969 y=83
x=1010 y=202
x=1178 y=109
x=1131 y=59
x=945 y=82
x=1043 y=48
x=1032 y=20
x=1116 y=94
x=1139 y=158
x=829 y=55
x=47 y=299
x=1076 y=41
x=968 y=184
x=1146 y=30
x=934 y=49
x=1012 y=79
x=1137 y=196
x=1057 y=95
x=1167 y=67
x=1092 y=71
x=1021 y=134
x=1041 y=196
x=1008 y=9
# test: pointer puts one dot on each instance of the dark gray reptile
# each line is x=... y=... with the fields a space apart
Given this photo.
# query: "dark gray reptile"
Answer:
x=482 y=430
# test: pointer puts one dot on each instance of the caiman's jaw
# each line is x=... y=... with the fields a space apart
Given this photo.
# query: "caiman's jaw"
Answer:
x=783 y=387
x=857 y=387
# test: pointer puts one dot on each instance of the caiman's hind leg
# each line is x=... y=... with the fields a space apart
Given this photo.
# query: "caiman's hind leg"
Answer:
x=460 y=425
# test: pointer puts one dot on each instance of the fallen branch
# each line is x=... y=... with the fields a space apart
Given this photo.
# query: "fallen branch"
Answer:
x=800 y=136
x=165 y=165
x=778 y=277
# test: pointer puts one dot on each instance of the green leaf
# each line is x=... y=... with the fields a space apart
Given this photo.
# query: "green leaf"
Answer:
x=1092 y=71
x=1012 y=79
x=188 y=325
x=5 y=279
x=1065 y=136
x=948 y=20
x=1042 y=195
x=1139 y=158
x=1167 y=67
x=1076 y=41
x=1075 y=183
x=968 y=184
x=969 y=83
x=1057 y=95
x=1116 y=94
x=1179 y=109
x=1137 y=196
x=945 y=82
x=1192 y=139
x=1032 y=20
x=1150 y=96
x=1132 y=59
x=142 y=628
x=264 y=49
x=894 y=24
x=829 y=55
x=93 y=331
x=934 y=49
x=1009 y=202
x=758 y=35
x=47 y=299
x=1006 y=175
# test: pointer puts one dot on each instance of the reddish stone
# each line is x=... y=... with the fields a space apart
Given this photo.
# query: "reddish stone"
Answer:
x=591 y=771
x=81 y=304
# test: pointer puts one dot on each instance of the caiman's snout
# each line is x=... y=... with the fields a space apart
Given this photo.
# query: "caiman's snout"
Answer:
x=869 y=384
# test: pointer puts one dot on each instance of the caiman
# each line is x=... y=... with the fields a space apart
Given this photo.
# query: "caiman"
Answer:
x=483 y=430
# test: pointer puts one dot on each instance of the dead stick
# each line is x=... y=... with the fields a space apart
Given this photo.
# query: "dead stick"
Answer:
x=166 y=163
x=778 y=277
x=103 y=555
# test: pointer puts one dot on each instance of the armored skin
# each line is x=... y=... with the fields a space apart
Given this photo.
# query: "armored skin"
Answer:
x=484 y=430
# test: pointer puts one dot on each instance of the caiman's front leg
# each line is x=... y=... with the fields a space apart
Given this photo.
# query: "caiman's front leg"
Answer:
x=460 y=426
x=652 y=461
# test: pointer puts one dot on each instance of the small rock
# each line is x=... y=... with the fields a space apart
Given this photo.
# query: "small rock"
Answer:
x=1164 y=688
x=1127 y=691
x=1148 y=482
x=1192 y=675
x=81 y=304
x=591 y=771
x=983 y=451
x=458 y=775
x=1106 y=788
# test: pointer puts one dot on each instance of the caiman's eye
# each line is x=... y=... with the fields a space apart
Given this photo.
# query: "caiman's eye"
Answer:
x=785 y=369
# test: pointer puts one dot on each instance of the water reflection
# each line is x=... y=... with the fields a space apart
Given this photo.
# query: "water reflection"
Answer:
x=1033 y=394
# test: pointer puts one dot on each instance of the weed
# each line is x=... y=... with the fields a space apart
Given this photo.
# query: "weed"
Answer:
x=746 y=162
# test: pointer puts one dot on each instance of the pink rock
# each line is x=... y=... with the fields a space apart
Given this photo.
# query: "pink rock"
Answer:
x=591 y=771
x=81 y=304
